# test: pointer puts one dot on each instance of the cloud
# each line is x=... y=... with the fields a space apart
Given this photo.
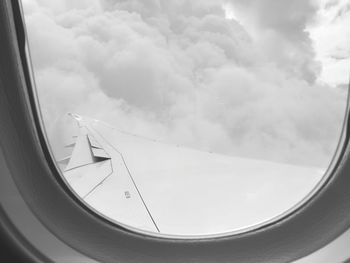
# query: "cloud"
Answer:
x=330 y=36
x=183 y=72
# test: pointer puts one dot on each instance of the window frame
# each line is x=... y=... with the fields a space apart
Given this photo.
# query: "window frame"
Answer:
x=28 y=157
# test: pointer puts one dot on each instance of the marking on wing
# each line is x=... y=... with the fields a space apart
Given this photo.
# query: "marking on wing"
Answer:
x=86 y=179
x=88 y=167
x=132 y=179
x=65 y=160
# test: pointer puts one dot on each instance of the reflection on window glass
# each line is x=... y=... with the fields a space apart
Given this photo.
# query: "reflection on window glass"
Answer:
x=191 y=117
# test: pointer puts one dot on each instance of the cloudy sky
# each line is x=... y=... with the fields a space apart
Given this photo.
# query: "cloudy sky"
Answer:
x=254 y=78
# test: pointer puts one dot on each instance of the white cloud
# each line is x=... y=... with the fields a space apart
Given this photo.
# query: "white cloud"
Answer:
x=229 y=11
x=330 y=33
x=183 y=72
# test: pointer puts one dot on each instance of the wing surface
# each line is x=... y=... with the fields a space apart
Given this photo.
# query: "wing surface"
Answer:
x=178 y=190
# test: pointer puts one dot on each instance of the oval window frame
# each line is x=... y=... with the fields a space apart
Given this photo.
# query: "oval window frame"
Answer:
x=35 y=173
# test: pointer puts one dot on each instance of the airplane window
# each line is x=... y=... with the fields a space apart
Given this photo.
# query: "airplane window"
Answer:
x=196 y=117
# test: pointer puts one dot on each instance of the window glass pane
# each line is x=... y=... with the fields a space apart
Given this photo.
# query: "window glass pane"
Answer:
x=191 y=117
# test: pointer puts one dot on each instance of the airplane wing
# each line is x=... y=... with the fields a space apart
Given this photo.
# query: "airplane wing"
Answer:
x=176 y=190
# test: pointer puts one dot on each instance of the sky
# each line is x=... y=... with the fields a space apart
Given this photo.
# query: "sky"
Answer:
x=258 y=79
